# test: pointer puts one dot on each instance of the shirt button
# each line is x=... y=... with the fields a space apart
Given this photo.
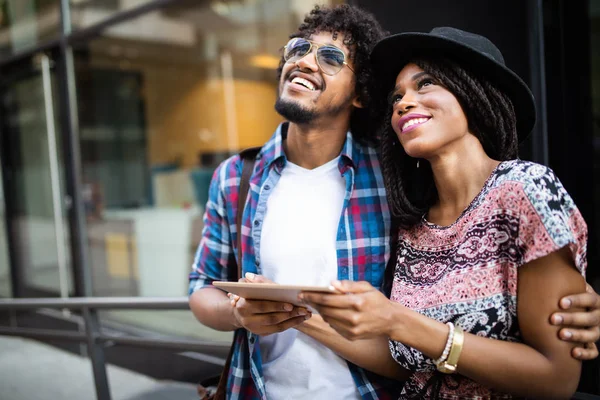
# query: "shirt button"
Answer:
x=256 y=223
x=256 y=262
x=267 y=187
x=252 y=339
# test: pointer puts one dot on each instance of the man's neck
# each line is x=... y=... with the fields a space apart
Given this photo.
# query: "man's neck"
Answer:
x=311 y=146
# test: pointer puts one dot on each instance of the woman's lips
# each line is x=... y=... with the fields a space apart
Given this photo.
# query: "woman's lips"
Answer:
x=411 y=122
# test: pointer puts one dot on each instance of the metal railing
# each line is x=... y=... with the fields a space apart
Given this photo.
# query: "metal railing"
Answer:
x=93 y=336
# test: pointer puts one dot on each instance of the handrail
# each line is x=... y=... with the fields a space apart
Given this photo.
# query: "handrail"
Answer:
x=131 y=303
x=96 y=340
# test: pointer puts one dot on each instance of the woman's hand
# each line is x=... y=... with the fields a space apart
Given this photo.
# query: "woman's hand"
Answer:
x=361 y=312
x=580 y=327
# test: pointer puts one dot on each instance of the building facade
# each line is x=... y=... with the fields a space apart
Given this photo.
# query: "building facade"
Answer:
x=114 y=114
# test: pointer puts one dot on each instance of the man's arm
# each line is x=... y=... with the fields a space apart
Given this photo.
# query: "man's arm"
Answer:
x=580 y=326
x=211 y=306
x=214 y=308
x=214 y=256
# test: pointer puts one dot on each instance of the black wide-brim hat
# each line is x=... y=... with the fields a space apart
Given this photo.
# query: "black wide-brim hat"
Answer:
x=473 y=52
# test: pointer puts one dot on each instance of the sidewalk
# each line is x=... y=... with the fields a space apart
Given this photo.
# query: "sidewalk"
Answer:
x=30 y=370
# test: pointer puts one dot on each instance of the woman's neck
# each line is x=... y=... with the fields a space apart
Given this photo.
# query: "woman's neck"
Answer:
x=459 y=176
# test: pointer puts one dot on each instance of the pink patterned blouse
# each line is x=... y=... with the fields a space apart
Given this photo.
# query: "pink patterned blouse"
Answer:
x=467 y=272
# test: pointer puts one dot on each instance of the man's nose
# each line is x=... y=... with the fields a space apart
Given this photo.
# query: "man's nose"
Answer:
x=308 y=62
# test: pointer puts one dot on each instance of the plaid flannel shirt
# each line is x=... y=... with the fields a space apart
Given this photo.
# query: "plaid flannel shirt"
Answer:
x=363 y=245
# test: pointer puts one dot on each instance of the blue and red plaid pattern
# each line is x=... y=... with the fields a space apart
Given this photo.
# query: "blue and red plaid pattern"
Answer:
x=363 y=245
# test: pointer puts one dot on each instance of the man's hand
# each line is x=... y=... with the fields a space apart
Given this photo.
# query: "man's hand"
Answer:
x=581 y=327
x=263 y=317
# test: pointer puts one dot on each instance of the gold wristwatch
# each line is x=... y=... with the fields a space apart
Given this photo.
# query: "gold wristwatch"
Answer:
x=449 y=366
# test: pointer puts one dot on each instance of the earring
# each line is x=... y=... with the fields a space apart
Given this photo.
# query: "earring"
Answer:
x=418 y=163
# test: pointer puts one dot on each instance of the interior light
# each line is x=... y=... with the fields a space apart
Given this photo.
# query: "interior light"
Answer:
x=266 y=61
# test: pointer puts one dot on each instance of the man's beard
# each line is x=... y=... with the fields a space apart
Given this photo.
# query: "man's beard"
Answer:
x=294 y=112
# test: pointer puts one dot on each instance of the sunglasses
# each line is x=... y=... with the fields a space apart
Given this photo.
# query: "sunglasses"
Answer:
x=330 y=59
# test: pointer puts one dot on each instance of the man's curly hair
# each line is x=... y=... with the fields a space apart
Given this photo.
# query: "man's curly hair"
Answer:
x=361 y=32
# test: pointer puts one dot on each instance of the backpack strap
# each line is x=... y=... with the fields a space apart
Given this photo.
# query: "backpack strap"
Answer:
x=248 y=157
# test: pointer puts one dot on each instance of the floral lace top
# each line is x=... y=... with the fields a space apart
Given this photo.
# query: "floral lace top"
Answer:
x=467 y=272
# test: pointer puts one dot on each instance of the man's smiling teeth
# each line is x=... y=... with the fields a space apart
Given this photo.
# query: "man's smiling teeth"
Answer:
x=301 y=81
x=414 y=121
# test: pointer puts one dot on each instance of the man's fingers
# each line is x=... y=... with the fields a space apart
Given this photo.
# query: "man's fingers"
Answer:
x=585 y=354
x=275 y=318
x=582 y=300
x=262 y=306
x=589 y=335
x=589 y=288
x=233 y=298
x=292 y=322
x=266 y=324
x=577 y=319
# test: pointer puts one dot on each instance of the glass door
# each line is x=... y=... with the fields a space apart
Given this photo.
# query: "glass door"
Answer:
x=34 y=178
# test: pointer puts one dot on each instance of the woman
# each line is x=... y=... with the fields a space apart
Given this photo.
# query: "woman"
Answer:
x=488 y=244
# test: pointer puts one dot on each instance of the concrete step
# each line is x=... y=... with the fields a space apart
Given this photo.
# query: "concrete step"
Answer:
x=30 y=370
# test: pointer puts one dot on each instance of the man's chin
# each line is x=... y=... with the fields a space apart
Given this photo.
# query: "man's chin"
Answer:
x=294 y=112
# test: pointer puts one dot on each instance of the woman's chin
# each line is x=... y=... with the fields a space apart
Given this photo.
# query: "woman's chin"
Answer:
x=416 y=152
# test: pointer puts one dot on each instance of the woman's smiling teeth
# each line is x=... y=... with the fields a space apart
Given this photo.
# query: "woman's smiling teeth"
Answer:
x=413 y=121
x=306 y=83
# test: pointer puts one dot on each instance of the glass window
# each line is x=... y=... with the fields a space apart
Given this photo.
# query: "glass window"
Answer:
x=85 y=13
x=163 y=99
x=25 y=23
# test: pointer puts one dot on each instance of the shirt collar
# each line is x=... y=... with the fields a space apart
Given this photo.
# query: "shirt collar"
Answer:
x=273 y=154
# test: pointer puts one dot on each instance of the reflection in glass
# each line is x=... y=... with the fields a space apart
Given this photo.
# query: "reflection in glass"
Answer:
x=39 y=224
x=162 y=100
x=25 y=23
x=5 y=283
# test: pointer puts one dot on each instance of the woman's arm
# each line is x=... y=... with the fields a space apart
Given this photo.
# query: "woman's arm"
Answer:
x=540 y=367
x=371 y=354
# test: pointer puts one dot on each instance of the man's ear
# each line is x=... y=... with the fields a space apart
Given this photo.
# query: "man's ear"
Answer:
x=357 y=103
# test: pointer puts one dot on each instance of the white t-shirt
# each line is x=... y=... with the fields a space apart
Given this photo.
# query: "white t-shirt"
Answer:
x=298 y=246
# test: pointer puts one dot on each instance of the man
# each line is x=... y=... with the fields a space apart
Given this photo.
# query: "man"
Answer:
x=316 y=211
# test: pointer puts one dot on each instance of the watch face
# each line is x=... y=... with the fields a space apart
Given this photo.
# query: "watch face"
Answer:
x=447 y=368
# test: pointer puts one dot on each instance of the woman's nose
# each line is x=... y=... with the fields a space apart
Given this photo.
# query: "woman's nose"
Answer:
x=407 y=102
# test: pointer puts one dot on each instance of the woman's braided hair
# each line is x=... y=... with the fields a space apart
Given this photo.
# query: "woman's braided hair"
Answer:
x=361 y=32
x=491 y=117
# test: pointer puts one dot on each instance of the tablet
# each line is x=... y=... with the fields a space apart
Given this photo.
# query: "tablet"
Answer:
x=271 y=291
